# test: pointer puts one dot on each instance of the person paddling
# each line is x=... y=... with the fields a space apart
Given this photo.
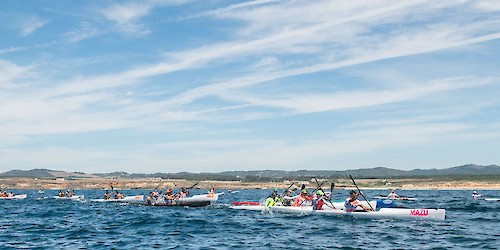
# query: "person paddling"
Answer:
x=271 y=200
x=150 y=200
x=352 y=203
x=184 y=193
x=318 y=201
x=107 y=196
x=476 y=196
x=301 y=199
x=393 y=194
x=287 y=199
x=118 y=195
x=61 y=193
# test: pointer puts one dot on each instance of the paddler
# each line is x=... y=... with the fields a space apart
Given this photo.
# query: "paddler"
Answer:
x=475 y=195
x=150 y=200
x=184 y=193
x=393 y=194
x=302 y=198
x=271 y=200
x=61 y=193
x=287 y=199
x=118 y=195
x=352 y=203
x=107 y=196
x=318 y=201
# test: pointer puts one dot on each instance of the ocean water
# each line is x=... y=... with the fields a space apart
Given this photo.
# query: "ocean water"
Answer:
x=44 y=223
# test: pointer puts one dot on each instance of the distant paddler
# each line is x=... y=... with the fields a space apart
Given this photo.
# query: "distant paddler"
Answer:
x=393 y=194
x=107 y=196
x=353 y=204
x=476 y=196
x=118 y=195
x=211 y=192
x=61 y=193
x=184 y=193
x=169 y=197
x=150 y=199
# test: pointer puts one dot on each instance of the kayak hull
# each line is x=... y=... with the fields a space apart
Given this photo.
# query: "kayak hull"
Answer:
x=492 y=199
x=128 y=199
x=15 y=197
x=395 y=198
x=180 y=204
x=75 y=197
x=212 y=198
x=248 y=207
x=383 y=213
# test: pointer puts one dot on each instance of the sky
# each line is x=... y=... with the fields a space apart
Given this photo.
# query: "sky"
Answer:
x=207 y=86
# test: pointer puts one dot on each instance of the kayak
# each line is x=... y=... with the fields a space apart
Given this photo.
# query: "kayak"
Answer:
x=402 y=198
x=200 y=200
x=180 y=204
x=129 y=199
x=258 y=206
x=383 y=213
x=492 y=199
x=15 y=197
x=248 y=205
x=212 y=198
x=74 y=197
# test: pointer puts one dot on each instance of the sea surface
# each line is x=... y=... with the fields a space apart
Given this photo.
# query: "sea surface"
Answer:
x=43 y=223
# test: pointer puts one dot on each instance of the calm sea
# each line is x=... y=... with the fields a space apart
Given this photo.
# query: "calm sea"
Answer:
x=44 y=223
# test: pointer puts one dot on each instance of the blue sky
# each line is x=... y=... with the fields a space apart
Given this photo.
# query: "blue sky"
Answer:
x=208 y=86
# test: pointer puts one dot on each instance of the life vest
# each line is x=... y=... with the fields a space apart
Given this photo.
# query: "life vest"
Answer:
x=301 y=200
x=351 y=205
x=319 y=204
x=270 y=202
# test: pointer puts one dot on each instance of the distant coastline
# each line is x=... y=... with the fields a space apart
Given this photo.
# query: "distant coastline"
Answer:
x=155 y=183
x=465 y=177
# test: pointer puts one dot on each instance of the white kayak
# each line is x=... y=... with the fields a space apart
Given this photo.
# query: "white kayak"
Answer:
x=392 y=213
x=401 y=198
x=201 y=197
x=74 y=197
x=129 y=199
x=492 y=199
x=15 y=197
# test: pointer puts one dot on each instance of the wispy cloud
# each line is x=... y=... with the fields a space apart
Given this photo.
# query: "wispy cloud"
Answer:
x=31 y=24
x=127 y=16
x=85 y=31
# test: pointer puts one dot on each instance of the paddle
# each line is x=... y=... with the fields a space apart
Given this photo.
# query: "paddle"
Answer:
x=331 y=191
x=332 y=186
x=193 y=185
x=293 y=183
x=312 y=193
x=361 y=193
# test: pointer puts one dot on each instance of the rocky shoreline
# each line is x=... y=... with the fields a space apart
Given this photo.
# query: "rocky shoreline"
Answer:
x=156 y=183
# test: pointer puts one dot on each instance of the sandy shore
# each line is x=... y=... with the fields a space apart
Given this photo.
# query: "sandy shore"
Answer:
x=102 y=184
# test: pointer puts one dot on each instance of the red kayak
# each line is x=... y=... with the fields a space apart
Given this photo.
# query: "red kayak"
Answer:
x=246 y=203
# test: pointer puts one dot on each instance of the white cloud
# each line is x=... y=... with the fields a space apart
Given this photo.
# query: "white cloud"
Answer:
x=84 y=31
x=126 y=16
x=31 y=24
